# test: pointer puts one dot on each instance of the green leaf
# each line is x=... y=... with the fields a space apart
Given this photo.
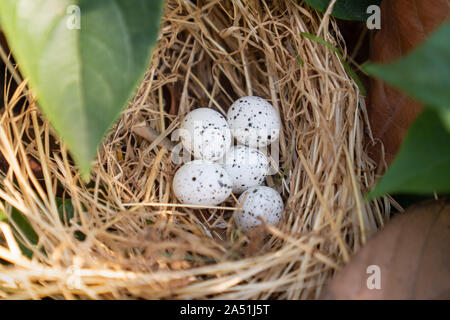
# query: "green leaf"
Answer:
x=3 y=217
x=346 y=9
x=422 y=164
x=65 y=210
x=22 y=223
x=300 y=61
x=347 y=68
x=83 y=78
x=424 y=73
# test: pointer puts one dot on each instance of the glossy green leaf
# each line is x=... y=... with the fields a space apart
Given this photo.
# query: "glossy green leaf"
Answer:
x=300 y=61
x=345 y=9
x=3 y=217
x=65 y=210
x=347 y=68
x=424 y=73
x=422 y=164
x=24 y=225
x=21 y=225
x=83 y=77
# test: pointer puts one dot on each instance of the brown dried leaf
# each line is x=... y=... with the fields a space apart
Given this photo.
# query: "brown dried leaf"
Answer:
x=413 y=254
x=256 y=241
x=405 y=24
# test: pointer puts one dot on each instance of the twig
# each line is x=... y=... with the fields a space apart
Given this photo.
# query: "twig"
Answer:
x=9 y=65
x=152 y=135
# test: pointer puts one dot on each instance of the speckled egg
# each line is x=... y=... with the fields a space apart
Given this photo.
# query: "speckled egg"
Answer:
x=247 y=167
x=205 y=134
x=201 y=182
x=254 y=121
x=262 y=202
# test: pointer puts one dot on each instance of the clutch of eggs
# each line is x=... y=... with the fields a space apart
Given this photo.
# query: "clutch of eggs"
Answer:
x=207 y=135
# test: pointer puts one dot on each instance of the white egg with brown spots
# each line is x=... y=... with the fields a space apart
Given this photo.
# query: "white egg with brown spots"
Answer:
x=202 y=182
x=205 y=134
x=260 y=201
x=247 y=167
x=254 y=121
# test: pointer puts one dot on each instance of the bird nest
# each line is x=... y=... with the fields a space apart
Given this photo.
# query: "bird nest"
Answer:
x=124 y=235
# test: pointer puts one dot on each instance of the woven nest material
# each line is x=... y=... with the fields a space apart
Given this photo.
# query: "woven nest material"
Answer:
x=130 y=238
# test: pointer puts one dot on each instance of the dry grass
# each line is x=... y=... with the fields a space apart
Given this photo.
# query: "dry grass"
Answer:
x=154 y=248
